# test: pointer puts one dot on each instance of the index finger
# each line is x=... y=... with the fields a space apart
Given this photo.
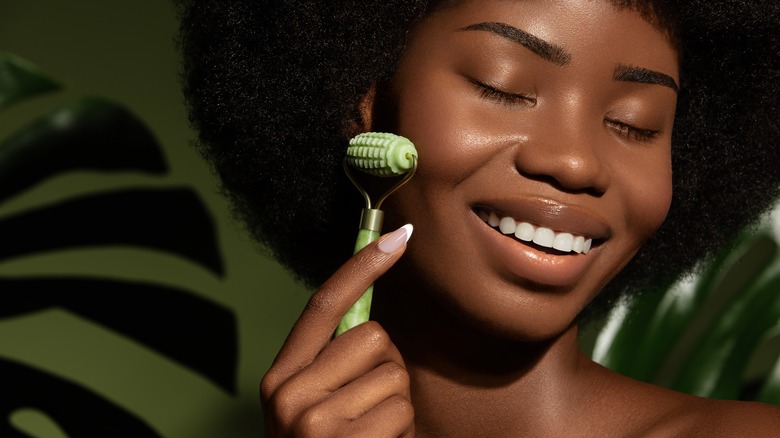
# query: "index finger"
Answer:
x=314 y=328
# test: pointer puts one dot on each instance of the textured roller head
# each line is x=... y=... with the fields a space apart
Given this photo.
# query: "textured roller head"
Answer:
x=381 y=153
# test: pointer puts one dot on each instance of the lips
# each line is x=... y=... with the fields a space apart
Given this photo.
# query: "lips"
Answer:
x=541 y=241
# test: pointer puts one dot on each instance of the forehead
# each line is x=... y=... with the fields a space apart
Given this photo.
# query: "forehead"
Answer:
x=655 y=12
x=603 y=25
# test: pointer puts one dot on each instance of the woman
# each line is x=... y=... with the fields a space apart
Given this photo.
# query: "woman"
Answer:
x=554 y=115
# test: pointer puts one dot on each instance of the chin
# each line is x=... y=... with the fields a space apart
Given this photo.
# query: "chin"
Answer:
x=484 y=308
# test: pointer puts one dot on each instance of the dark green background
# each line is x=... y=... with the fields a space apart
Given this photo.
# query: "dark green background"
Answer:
x=124 y=50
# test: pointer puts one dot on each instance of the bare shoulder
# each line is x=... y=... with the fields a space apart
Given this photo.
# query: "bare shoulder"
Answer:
x=736 y=418
x=652 y=411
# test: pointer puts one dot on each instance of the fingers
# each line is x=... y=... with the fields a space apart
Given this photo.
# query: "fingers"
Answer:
x=368 y=392
x=319 y=319
x=348 y=357
x=377 y=403
x=357 y=386
x=392 y=418
x=354 y=385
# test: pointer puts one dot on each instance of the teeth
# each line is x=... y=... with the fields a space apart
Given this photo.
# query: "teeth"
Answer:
x=579 y=241
x=493 y=220
x=542 y=236
x=563 y=242
x=507 y=225
x=525 y=231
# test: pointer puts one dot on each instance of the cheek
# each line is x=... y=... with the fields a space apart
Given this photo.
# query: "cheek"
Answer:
x=650 y=193
x=451 y=134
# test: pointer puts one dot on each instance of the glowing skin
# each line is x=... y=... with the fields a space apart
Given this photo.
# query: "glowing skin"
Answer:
x=540 y=124
x=554 y=131
x=533 y=111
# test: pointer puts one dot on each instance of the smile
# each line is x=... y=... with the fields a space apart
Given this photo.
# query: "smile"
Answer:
x=547 y=246
x=542 y=236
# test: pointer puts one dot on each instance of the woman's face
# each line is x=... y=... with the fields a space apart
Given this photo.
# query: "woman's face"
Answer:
x=553 y=117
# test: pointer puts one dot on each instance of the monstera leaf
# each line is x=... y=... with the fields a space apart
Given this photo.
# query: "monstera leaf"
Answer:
x=699 y=337
x=87 y=134
x=23 y=387
x=98 y=135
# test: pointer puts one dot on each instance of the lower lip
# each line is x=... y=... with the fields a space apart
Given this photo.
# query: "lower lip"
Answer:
x=532 y=264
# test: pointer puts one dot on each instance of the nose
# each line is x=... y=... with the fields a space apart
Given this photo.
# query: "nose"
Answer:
x=565 y=156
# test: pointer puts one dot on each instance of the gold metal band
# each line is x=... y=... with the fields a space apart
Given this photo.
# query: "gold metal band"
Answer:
x=371 y=219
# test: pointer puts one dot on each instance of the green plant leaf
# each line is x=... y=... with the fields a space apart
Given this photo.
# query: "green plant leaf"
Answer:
x=770 y=391
x=642 y=339
x=616 y=344
x=192 y=331
x=716 y=366
x=20 y=79
x=85 y=134
x=647 y=340
x=725 y=281
x=73 y=407
x=35 y=423
x=170 y=220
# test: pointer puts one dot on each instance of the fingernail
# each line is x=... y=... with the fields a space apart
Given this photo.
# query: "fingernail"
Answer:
x=396 y=239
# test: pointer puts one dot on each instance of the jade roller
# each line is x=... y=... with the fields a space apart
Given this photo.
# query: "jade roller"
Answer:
x=379 y=154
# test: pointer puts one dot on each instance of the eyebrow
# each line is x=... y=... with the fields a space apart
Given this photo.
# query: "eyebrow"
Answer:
x=547 y=51
x=630 y=73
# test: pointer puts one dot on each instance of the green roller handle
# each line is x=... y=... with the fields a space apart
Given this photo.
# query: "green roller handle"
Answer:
x=379 y=154
x=359 y=312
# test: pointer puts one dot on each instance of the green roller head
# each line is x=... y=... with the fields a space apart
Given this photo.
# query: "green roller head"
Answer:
x=381 y=153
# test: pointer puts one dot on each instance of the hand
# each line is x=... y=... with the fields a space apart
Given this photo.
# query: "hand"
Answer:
x=353 y=385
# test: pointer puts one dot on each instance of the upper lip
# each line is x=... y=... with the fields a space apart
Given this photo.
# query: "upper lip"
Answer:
x=558 y=216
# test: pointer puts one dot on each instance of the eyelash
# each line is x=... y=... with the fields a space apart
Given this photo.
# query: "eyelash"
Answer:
x=505 y=98
x=625 y=130
x=632 y=132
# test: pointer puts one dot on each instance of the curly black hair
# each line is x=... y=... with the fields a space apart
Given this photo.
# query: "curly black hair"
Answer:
x=273 y=86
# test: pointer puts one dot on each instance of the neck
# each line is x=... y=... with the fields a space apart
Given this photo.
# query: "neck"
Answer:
x=469 y=383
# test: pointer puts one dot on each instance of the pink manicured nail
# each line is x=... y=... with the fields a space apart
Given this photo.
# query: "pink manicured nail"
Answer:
x=396 y=239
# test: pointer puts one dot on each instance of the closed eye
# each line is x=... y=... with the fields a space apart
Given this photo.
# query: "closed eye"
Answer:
x=630 y=132
x=494 y=94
